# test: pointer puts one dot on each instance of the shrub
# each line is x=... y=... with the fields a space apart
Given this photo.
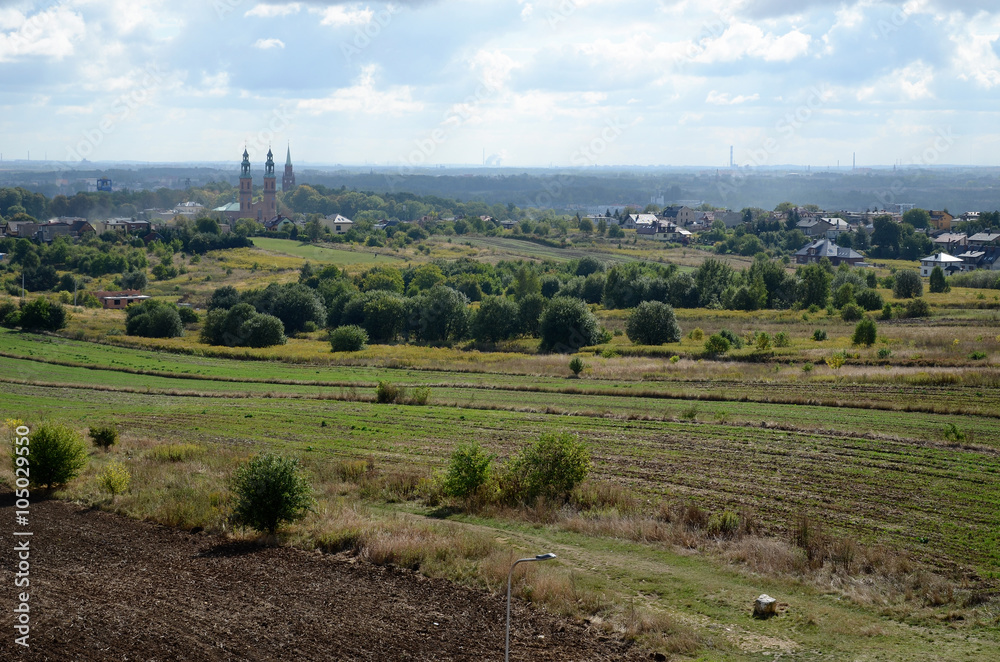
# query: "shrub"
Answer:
x=652 y=323
x=350 y=338
x=498 y=318
x=696 y=334
x=263 y=331
x=977 y=355
x=907 y=285
x=242 y=326
x=10 y=314
x=439 y=314
x=884 y=352
x=114 y=479
x=836 y=361
x=717 y=344
x=938 y=282
x=887 y=312
x=577 y=365
x=725 y=524
x=917 y=308
x=549 y=468
x=381 y=313
x=224 y=297
x=468 y=470
x=104 y=436
x=388 y=393
x=734 y=340
x=56 y=455
x=566 y=325
x=133 y=280
x=153 y=319
x=851 y=312
x=819 y=335
x=869 y=299
x=762 y=341
x=269 y=490
x=187 y=315
x=865 y=333
x=782 y=339
x=42 y=315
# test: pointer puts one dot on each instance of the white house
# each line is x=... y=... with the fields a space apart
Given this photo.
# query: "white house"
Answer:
x=948 y=263
x=337 y=224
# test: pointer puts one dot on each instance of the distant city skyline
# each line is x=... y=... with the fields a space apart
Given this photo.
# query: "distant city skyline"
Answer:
x=522 y=83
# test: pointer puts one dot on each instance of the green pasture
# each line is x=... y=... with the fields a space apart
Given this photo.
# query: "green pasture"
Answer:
x=322 y=254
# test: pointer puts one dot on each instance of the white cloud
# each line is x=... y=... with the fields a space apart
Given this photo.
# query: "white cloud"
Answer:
x=975 y=59
x=364 y=97
x=265 y=44
x=274 y=11
x=494 y=67
x=909 y=83
x=744 y=39
x=51 y=34
x=725 y=99
x=338 y=15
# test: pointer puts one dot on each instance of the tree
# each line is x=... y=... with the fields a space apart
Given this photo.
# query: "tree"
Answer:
x=938 y=282
x=153 y=319
x=717 y=344
x=814 y=285
x=588 y=265
x=468 y=470
x=294 y=304
x=440 y=314
x=865 y=332
x=133 y=280
x=382 y=278
x=497 y=319
x=586 y=226
x=886 y=235
x=350 y=338
x=529 y=313
x=379 y=312
x=242 y=326
x=224 y=297
x=549 y=468
x=425 y=277
x=712 y=278
x=907 y=284
x=42 y=315
x=55 y=455
x=918 y=218
x=566 y=325
x=263 y=330
x=269 y=490
x=652 y=323
x=526 y=281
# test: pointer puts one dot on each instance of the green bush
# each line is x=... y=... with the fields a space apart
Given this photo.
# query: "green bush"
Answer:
x=187 y=315
x=782 y=339
x=566 y=325
x=938 y=282
x=388 y=393
x=869 y=299
x=350 y=338
x=652 y=323
x=153 y=319
x=10 y=314
x=55 y=455
x=104 y=436
x=907 y=285
x=851 y=312
x=917 y=308
x=468 y=470
x=42 y=315
x=269 y=490
x=887 y=312
x=734 y=340
x=865 y=333
x=717 y=344
x=549 y=468
x=819 y=335
x=762 y=341
x=114 y=479
x=577 y=365
x=498 y=318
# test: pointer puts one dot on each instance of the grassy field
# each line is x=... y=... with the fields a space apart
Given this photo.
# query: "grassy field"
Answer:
x=862 y=453
x=322 y=254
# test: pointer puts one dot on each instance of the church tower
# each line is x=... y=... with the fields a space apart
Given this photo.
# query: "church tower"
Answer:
x=246 y=187
x=270 y=201
x=288 y=179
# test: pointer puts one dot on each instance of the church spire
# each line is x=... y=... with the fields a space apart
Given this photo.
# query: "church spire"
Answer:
x=288 y=159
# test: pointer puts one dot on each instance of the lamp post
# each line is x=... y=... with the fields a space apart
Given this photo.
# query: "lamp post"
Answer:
x=540 y=557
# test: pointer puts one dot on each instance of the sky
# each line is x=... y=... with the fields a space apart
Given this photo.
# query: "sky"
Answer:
x=517 y=83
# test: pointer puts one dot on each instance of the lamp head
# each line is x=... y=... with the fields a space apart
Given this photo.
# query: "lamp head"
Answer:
x=545 y=557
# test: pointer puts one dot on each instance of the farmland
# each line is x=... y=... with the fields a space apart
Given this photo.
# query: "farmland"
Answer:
x=864 y=480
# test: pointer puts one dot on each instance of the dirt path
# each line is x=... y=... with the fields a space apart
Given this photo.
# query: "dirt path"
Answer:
x=105 y=587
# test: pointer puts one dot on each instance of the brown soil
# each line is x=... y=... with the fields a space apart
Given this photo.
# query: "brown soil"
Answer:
x=104 y=587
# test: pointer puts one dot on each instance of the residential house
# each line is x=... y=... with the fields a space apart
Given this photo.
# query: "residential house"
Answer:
x=817 y=250
x=664 y=231
x=189 y=209
x=20 y=229
x=508 y=224
x=279 y=224
x=988 y=238
x=941 y=220
x=118 y=300
x=950 y=241
x=48 y=231
x=949 y=263
x=680 y=214
x=129 y=225
x=981 y=257
x=337 y=224
x=634 y=221
x=823 y=227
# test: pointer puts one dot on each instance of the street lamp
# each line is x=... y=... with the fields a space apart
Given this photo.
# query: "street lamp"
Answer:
x=540 y=557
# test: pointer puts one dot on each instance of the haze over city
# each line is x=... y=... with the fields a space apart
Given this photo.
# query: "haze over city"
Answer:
x=525 y=83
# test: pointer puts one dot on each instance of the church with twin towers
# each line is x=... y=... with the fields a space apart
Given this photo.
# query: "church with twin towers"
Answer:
x=267 y=208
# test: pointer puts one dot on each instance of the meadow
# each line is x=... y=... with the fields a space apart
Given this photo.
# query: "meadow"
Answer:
x=864 y=491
